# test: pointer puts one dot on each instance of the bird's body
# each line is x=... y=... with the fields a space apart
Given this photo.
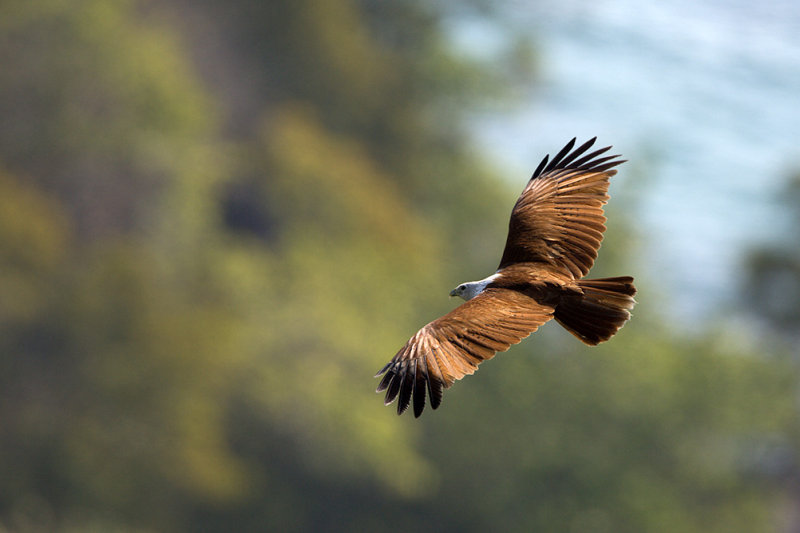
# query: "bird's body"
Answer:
x=554 y=233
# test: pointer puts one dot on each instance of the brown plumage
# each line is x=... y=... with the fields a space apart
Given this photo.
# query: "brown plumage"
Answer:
x=554 y=233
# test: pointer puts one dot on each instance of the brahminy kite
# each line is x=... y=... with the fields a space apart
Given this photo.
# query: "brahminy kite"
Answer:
x=554 y=233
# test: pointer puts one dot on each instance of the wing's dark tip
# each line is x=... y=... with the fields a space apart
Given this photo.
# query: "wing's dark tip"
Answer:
x=406 y=386
x=607 y=166
x=556 y=162
x=382 y=370
x=435 y=392
x=578 y=151
x=419 y=388
x=384 y=382
x=540 y=168
x=409 y=383
x=395 y=381
x=568 y=159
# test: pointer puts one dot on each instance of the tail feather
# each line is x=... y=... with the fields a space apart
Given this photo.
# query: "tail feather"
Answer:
x=594 y=309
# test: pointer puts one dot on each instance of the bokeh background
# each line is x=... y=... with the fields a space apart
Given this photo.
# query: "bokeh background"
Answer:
x=219 y=218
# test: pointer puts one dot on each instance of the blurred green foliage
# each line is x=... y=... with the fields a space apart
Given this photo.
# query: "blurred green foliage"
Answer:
x=218 y=219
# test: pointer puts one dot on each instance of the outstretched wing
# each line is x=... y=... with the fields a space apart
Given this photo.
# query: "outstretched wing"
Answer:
x=453 y=346
x=558 y=218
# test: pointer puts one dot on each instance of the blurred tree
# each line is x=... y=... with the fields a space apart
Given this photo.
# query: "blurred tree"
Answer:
x=115 y=375
x=380 y=74
x=772 y=283
x=97 y=108
x=34 y=236
x=139 y=326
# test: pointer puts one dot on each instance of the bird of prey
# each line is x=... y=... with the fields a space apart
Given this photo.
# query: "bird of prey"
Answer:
x=553 y=236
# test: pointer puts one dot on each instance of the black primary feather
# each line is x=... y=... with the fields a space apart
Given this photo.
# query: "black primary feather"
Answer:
x=566 y=160
x=556 y=162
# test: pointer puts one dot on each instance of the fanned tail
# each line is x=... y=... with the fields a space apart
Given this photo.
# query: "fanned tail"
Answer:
x=597 y=309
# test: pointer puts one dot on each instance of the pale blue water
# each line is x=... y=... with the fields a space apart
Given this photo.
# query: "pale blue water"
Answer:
x=702 y=97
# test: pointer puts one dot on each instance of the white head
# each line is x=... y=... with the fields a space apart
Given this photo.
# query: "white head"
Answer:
x=471 y=289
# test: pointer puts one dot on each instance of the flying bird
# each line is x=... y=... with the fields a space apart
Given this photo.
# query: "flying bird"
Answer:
x=554 y=233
